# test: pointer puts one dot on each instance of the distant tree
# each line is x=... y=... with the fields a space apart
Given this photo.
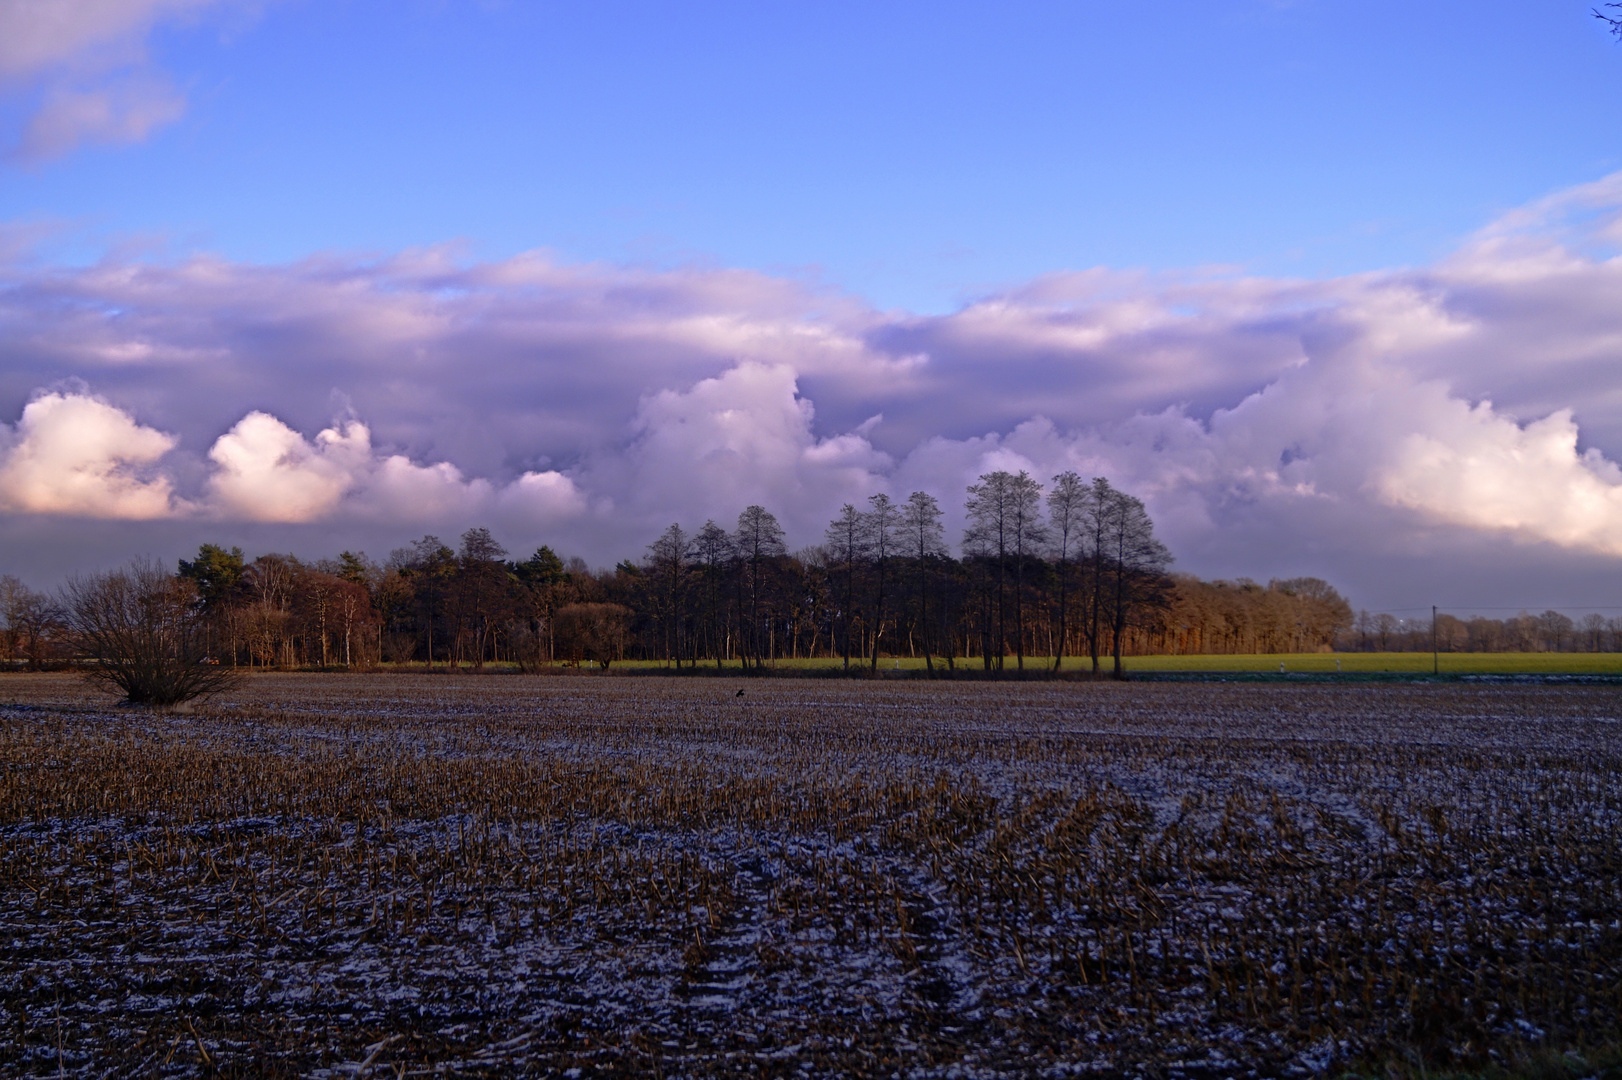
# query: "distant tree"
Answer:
x=483 y=592
x=1592 y=626
x=714 y=551
x=316 y=602
x=846 y=543
x=593 y=633
x=1029 y=535
x=355 y=567
x=541 y=582
x=1069 y=504
x=216 y=573
x=1135 y=580
x=1005 y=522
x=987 y=537
x=13 y=594
x=31 y=623
x=268 y=582
x=759 y=541
x=143 y=629
x=356 y=620
x=667 y=560
x=429 y=567
x=1554 y=628
x=880 y=526
x=1096 y=514
x=1320 y=613
x=924 y=541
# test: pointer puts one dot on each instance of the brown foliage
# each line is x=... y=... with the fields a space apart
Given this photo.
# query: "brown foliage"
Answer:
x=594 y=633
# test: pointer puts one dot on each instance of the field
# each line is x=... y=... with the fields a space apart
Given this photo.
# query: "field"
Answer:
x=435 y=875
x=1545 y=663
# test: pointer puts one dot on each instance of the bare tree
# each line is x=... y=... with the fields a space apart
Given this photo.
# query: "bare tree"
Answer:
x=924 y=542
x=714 y=550
x=846 y=542
x=1029 y=534
x=879 y=527
x=759 y=540
x=667 y=569
x=1135 y=567
x=1069 y=505
x=1613 y=21
x=145 y=633
x=988 y=537
x=269 y=580
x=1005 y=521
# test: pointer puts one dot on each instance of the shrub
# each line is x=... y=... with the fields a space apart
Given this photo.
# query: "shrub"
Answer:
x=142 y=629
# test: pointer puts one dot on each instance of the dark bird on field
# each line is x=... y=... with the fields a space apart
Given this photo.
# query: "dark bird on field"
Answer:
x=738 y=694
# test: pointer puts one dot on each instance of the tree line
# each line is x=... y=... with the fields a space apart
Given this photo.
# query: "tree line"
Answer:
x=1550 y=631
x=1072 y=570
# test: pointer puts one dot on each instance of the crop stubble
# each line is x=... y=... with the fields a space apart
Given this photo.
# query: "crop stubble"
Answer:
x=428 y=875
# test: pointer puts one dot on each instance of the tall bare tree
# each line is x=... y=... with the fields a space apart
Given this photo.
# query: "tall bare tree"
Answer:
x=988 y=538
x=1029 y=535
x=846 y=542
x=1135 y=565
x=1005 y=522
x=1069 y=504
x=924 y=542
x=667 y=571
x=880 y=526
x=714 y=551
x=759 y=541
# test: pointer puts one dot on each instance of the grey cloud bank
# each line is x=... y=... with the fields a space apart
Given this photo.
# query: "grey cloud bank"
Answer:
x=1445 y=434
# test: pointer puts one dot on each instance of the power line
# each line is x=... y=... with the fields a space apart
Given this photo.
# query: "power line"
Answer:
x=1524 y=607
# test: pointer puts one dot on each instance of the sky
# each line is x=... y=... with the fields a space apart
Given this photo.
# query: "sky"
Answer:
x=1334 y=287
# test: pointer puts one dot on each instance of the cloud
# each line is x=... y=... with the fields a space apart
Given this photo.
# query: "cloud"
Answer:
x=266 y=471
x=1349 y=427
x=123 y=112
x=72 y=454
x=85 y=65
x=744 y=437
x=1476 y=468
x=44 y=34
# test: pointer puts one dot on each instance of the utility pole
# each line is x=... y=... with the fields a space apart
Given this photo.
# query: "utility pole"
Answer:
x=1436 y=659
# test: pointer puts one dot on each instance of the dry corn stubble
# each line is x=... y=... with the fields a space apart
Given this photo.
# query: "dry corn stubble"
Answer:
x=508 y=875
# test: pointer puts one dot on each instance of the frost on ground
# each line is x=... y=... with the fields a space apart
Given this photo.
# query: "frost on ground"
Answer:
x=386 y=876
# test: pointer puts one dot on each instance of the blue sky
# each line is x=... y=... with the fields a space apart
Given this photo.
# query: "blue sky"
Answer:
x=1333 y=286
x=915 y=154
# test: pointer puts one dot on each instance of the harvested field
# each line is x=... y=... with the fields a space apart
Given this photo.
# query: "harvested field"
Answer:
x=407 y=876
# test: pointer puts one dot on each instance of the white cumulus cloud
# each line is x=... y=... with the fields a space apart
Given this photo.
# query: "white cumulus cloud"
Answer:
x=266 y=471
x=74 y=454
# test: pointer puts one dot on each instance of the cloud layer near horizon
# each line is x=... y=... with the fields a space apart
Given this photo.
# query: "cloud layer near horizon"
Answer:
x=1272 y=426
